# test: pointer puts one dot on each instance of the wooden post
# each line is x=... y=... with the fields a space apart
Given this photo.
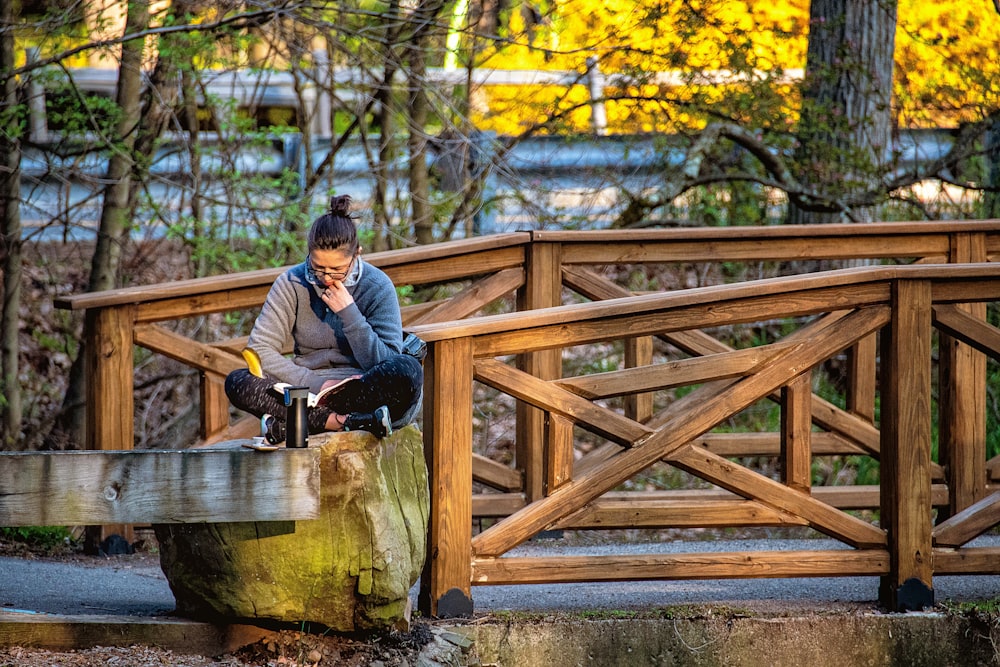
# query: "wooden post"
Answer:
x=110 y=390
x=906 y=448
x=445 y=585
x=214 y=405
x=796 y=433
x=559 y=466
x=110 y=384
x=639 y=352
x=542 y=289
x=861 y=360
x=962 y=380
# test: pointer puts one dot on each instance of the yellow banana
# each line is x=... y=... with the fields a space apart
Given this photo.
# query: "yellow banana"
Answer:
x=253 y=362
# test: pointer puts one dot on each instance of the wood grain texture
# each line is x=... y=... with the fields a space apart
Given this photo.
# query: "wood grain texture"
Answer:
x=473 y=298
x=549 y=397
x=968 y=524
x=678 y=431
x=542 y=289
x=198 y=355
x=975 y=560
x=57 y=632
x=906 y=440
x=448 y=450
x=109 y=364
x=735 y=565
x=796 y=433
x=753 y=485
x=226 y=482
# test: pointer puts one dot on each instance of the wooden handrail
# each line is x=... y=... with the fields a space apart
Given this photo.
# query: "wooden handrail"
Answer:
x=771 y=232
x=964 y=287
x=252 y=280
x=927 y=238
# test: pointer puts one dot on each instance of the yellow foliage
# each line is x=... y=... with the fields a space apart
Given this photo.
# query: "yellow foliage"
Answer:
x=947 y=60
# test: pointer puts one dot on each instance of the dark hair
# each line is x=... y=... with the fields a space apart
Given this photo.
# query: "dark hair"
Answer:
x=335 y=229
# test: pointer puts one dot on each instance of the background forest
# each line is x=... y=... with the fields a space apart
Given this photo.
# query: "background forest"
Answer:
x=226 y=127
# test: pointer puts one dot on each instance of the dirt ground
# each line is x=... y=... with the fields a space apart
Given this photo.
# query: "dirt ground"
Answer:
x=285 y=648
x=289 y=649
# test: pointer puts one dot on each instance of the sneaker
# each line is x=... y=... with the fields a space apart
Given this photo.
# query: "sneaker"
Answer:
x=272 y=429
x=377 y=423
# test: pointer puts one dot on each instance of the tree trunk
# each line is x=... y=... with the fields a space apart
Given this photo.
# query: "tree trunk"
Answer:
x=992 y=158
x=115 y=223
x=115 y=217
x=424 y=17
x=380 y=203
x=420 y=191
x=189 y=94
x=10 y=214
x=845 y=127
x=384 y=110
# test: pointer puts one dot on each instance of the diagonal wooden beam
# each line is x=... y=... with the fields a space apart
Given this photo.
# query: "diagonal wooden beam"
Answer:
x=687 y=403
x=831 y=418
x=824 y=414
x=591 y=285
x=181 y=348
x=970 y=523
x=473 y=298
x=703 y=393
x=671 y=373
x=677 y=432
x=496 y=475
x=974 y=332
x=835 y=421
x=547 y=396
x=754 y=486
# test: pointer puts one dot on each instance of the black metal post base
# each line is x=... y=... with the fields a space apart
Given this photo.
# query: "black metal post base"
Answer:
x=454 y=604
x=913 y=595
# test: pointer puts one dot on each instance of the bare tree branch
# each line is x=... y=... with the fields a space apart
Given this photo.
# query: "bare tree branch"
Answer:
x=237 y=21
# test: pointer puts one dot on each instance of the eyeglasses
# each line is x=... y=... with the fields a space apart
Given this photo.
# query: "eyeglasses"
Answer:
x=323 y=276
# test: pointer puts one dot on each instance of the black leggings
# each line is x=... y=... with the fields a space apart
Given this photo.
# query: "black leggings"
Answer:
x=395 y=383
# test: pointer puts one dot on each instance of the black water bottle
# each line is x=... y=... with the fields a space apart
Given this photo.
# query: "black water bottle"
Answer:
x=296 y=402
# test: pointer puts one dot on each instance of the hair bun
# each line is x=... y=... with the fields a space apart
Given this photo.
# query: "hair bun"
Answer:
x=340 y=205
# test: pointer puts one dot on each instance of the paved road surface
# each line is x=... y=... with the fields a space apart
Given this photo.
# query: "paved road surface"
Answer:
x=134 y=585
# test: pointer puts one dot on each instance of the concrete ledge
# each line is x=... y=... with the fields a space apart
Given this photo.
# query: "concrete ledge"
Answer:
x=732 y=640
x=704 y=638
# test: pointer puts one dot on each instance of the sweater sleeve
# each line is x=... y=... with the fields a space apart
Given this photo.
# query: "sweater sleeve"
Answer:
x=373 y=324
x=272 y=333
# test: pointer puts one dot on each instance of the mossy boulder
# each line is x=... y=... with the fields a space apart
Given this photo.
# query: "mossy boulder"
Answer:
x=350 y=569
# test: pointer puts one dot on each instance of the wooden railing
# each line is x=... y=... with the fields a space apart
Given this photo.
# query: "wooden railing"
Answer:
x=551 y=486
x=845 y=308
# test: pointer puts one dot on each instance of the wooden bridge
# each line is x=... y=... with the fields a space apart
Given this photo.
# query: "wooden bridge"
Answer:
x=665 y=403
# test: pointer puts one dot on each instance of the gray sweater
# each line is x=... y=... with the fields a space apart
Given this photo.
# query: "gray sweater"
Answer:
x=326 y=345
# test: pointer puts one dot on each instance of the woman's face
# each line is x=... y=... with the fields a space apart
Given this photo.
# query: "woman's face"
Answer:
x=327 y=266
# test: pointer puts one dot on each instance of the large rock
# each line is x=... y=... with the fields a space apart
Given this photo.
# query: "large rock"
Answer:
x=350 y=569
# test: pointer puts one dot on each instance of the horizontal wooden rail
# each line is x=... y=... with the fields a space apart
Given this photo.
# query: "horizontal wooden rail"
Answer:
x=412 y=266
x=226 y=482
x=721 y=565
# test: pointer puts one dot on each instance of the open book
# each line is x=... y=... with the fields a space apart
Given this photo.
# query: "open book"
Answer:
x=323 y=397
